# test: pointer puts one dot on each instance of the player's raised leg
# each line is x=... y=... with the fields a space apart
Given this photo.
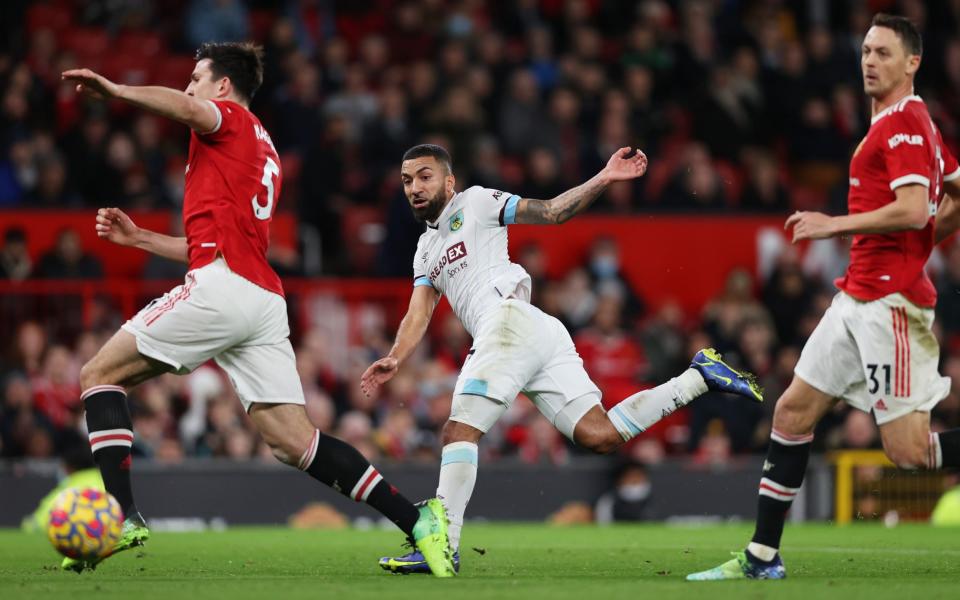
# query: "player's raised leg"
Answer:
x=797 y=412
x=294 y=441
x=104 y=380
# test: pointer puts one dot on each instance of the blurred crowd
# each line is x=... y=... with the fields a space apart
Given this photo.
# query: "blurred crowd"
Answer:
x=742 y=106
x=757 y=324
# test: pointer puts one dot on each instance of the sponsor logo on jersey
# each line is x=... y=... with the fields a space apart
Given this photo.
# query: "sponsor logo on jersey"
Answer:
x=456 y=221
x=497 y=194
x=903 y=138
x=454 y=253
x=855 y=181
x=880 y=405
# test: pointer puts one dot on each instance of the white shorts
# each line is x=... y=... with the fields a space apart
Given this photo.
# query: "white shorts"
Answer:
x=219 y=314
x=519 y=348
x=879 y=355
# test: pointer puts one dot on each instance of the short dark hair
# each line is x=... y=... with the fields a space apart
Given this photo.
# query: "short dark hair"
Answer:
x=242 y=62
x=905 y=30
x=438 y=152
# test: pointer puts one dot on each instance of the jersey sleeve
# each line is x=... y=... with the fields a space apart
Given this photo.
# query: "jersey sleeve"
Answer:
x=905 y=150
x=951 y=169
x=229 y=119
x=495 y=208
x=420 y=270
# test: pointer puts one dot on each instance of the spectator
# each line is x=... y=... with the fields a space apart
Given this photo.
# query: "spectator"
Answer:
x=216 y=21
x=67 y=260
x=15 y=263
x=629 y=500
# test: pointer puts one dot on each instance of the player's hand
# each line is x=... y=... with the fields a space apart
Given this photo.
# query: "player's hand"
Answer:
x=378 y=374
x=114 y=225
x=92 y=84
x=622 y=166
x=810 y=225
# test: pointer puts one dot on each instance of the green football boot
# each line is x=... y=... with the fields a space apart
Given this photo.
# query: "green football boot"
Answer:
x=430 y=537
x=742 y=566
x=134 y=534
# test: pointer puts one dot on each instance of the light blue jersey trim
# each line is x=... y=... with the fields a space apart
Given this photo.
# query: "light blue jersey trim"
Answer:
x=422 y=281
x=510 y=211
x=459 y=456
x=476 y=387
x=627 y=426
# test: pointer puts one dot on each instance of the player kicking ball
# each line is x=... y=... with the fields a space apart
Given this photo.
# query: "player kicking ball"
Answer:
x=231 y=307
x=874 y=347
x=516 y=347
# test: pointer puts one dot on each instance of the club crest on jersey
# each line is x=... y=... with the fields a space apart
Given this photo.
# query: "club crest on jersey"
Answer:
x=456 y=221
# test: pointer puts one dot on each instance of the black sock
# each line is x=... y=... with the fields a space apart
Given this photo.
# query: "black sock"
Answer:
x=339 y=465
x=111 y=436
x=948 y=443
x=783 y=473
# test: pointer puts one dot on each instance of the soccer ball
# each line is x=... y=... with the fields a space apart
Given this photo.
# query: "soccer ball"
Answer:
x=84 y=523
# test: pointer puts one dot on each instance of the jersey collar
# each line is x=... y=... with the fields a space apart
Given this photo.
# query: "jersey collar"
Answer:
x=446 y=209
x=895 y=107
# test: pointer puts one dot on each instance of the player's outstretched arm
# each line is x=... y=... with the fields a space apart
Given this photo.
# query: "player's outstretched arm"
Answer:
x=622 y=166
x=116 y=226
x=948 y=215
x=412 y=328
x=909 y=211
x=199 y=115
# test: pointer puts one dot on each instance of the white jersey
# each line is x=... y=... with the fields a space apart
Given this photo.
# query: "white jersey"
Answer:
x=463 y=255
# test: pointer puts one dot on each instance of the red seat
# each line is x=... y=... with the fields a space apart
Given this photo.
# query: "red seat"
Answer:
x=129 y=69
x=85 y=41
x=48 y=16
x=173 y=71
x=141 y=43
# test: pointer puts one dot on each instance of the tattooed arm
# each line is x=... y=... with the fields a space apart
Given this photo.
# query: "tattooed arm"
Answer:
x=561 y=209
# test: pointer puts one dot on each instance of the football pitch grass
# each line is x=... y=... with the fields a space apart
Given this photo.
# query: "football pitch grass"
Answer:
x=499 y=561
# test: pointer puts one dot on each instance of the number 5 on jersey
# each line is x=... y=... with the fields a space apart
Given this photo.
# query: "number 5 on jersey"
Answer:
x=270 y=170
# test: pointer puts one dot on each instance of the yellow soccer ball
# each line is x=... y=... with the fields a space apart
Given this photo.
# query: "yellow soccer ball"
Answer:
x=84 y=523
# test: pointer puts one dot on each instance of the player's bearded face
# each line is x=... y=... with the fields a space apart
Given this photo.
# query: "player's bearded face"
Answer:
x=430 y=210
x=424 y=183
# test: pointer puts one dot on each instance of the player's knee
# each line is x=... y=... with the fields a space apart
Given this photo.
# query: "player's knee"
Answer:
x=280 y=446
x=908 y=456
x=793 y=417
x=602 y=440
x=454 y=431
x=90 y=375
x=281 y=451
x=602 y=443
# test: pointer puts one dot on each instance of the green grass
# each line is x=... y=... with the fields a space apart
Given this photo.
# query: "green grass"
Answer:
x=520 y=561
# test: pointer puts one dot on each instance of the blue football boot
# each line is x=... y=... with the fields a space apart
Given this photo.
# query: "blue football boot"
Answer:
x=412 y=563
x=742 y=566
x=721 y=377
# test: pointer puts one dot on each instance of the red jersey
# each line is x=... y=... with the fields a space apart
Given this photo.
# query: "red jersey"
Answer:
x=232 y=186
x=902 y=147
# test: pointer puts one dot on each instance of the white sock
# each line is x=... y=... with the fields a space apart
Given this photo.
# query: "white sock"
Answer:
x=636 y=414
x=458 y=474
x=764 y=553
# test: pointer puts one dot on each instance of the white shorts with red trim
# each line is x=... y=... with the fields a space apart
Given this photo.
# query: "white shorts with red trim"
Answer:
x=220 y=315
x=878 y=356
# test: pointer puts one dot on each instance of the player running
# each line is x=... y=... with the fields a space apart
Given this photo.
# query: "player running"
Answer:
x=231 y=306
x=874 y=347
x=516 y=347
